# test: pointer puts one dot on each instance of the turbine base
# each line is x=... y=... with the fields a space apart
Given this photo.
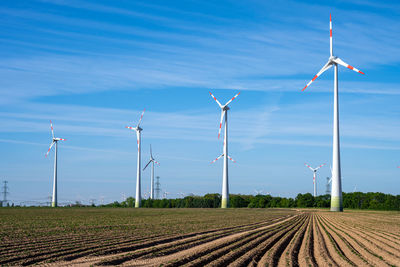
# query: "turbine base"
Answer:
x=336 y=204
x=337 y=209
x=224 y=203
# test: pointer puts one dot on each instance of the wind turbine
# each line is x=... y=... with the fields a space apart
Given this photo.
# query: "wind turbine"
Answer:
x=355 y=188
x=225 y=185
x=314 y=176
x=138 y=135
x=165 y=195
x=54 y=142
x=336 y=193
x=258 y=192
x=152 y=160
x=328 y=189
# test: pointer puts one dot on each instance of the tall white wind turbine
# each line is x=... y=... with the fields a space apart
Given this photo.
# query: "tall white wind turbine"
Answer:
x=225 y=185
x=54 y=142
x=152 y=161
x=314 y=170
x=336 y=193
x=138 y=130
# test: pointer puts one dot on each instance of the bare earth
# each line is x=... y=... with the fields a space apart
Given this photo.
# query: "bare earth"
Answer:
x=277 y=238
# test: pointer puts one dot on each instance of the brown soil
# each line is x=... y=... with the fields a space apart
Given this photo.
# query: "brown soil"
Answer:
x=302 y=238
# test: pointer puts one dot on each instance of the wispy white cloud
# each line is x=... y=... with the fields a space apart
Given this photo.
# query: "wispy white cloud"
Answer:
x=251 y=57
x=262 y=125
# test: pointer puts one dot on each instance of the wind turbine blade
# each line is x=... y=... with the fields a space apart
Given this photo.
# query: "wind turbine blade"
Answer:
x=151 y=154
x=330 y=34
x=61 y=139
x=216 y=159
x=141 y=117
x=157 y=162
x=327 y=66
x=234 y=161
x=220 y=123
x=219 y=104
x=147 y=165
x=132 y=128
x=137 y=139
x=330 y=180
x=320 y=166
x=51 y=145
x=51 y=126
x=344 y=64
x=309 y=166
x=227 y=103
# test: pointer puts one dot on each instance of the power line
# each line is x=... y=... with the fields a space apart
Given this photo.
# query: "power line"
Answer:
x=158 y=188
x=5 y=193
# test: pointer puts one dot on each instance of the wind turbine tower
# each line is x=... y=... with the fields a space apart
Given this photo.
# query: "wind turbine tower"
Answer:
x=54 y=142
x=336 y=193
x=314 y=176
x=152 y=161
x=138 y=174
x=225 y=183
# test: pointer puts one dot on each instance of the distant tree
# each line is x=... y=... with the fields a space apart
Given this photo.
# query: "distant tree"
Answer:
x=212 y=200
x=237 y=201
x=356 y=200
x=305 y=200
x=322 y=201
x=116 y=204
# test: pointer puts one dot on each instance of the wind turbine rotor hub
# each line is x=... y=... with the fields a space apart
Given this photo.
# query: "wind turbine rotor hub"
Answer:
x=225 y=108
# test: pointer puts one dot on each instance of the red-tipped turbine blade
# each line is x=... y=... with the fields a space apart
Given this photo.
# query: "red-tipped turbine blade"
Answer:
x=141 y=117
x=51 y=126
x=216 y=159
x=232 y=159
x=344 y=64
x=51 y=145
x=324 y=68
x=219 y=104
x=320 y=166
x=309 y=166
x=137 y=140
x=227 y=103
x=220 y=122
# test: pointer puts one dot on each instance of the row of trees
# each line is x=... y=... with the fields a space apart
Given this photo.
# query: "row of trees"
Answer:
x=357 y=200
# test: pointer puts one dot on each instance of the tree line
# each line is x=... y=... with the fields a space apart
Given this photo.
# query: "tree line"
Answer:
x=356 y=200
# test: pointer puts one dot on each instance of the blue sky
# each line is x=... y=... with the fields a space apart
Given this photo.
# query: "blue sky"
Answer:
x=92 y=67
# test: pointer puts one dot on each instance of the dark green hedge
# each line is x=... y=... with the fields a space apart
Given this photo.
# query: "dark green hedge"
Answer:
x=357 y=200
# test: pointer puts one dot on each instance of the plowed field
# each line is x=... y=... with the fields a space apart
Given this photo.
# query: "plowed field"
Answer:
x=199 y=237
